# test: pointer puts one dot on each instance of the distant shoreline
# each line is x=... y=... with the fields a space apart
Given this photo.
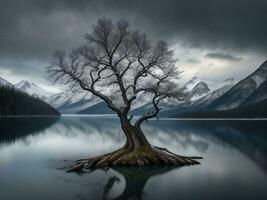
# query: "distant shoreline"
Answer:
x=114 y=116
x=3 y=116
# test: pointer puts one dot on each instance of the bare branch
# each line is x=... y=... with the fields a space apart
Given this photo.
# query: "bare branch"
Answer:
x=119 y=66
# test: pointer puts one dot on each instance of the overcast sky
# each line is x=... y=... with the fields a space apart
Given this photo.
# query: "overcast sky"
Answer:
x=214 y=39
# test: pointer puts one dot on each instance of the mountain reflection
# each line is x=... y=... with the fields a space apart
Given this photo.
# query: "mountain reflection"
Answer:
x=225 y=145
x=184 y=137
x=247 y=137
x=15 y=128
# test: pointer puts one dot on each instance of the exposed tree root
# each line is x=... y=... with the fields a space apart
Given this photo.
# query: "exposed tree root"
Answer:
x=140 y=156
x=76 y=168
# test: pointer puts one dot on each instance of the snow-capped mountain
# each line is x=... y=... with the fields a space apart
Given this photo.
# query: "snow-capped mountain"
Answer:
x=197 y=87
x=194 y=106
x=65 y=102
x=204 y=96
x=247 y=98
x=72 y=101
x=212 y=85
x=4 y=82
x=12 y=99
x=33 y=89
x=199 y=94
x=199 y=90
x=98 y=108
x=242 y=90
x=196 y=103
x=101 y=107
x=211 y=97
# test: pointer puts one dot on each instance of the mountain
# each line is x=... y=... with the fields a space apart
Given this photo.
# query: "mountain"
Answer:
x=99 y=108
x=199 y=90
x=211 y=97
x=16 y=102
x=194 y=106
x=33 y=89
x=206 y=99
x=72 y=102
x=247 y=99
x=196 y=88
x=254 y=110
x=242 y=90
x=4 y=82
x=200 y=96
x=69 y=102
x=258 y=95
x=203 y=98
x=212 y=85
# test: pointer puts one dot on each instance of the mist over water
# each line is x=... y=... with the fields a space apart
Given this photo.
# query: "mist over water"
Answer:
x=33 y=153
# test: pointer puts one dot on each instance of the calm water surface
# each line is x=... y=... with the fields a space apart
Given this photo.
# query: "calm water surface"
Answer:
x=34 y=152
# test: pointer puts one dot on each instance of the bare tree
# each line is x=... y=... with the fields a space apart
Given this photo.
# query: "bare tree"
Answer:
x=120 y=66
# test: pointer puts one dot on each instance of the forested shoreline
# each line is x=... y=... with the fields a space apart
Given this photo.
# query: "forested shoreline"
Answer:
x=15 y=102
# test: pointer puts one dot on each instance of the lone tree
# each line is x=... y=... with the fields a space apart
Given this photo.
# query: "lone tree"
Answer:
x=120 y=66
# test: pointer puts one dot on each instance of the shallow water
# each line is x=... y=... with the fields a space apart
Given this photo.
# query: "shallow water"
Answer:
x=33 y=150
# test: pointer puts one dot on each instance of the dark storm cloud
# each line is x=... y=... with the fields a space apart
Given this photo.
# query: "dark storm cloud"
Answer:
x=223 y=56
x=236 y=24
x=33 y=29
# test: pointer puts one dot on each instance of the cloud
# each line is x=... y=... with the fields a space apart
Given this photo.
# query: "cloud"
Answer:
x=31 y=30
x=223 y=56
x=37 y=27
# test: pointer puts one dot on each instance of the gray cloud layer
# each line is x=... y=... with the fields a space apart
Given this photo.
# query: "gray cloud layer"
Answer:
x=33 y=29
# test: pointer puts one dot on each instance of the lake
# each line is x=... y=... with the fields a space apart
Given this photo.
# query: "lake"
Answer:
x=35 y=153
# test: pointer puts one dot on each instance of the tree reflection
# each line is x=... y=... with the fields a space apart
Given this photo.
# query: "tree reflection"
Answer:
x=135 y=180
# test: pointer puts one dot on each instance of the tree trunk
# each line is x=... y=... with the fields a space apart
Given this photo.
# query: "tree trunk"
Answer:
x=135 y=137
x=137 y=151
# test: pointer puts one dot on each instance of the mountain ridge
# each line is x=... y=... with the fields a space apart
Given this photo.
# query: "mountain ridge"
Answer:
x=15 y=102
x=242 y=90
x=33 y=89
x=205 y=96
